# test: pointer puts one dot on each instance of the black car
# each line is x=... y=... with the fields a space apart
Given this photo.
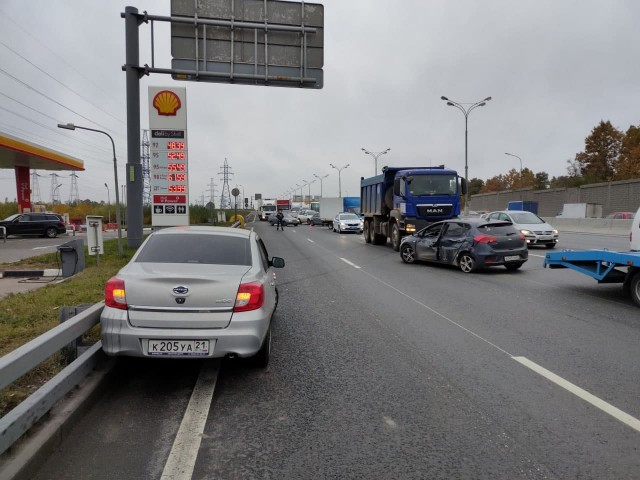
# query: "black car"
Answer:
x=468 y=243
x=45 y=224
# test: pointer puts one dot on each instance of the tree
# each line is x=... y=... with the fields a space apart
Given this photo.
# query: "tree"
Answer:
x=495 y=184
x=628 y=165
x=541 y=181
x=475 y=186
x=602 y=148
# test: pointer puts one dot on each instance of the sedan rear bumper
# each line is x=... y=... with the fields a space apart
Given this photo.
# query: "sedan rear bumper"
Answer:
x=243 y=337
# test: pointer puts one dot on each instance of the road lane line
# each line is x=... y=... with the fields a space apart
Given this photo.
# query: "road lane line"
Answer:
x=349 y=263
x=583 y=394
x=309 y=240
x=183 y=455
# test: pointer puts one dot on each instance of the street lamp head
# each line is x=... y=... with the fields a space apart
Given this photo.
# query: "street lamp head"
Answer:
x=346 y=165
x=106 y=186
x=487 y=99
x=451 y=104
x=67 y=126
x=444 y=98
x=482 y=104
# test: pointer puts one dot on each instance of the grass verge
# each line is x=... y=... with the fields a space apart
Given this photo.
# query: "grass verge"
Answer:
x=24 y=316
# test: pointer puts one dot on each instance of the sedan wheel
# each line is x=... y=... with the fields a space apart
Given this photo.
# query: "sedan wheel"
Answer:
x=466 y=263
x=51 y=232
x=407 y=254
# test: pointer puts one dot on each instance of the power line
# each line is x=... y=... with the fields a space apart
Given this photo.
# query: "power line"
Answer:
x=53 y=100
x=58 y=81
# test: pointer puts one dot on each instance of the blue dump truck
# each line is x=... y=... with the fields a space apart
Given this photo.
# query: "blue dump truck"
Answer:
x=402 y=200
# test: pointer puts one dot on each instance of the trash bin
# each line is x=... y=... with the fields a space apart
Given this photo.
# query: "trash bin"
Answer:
x=72 y=257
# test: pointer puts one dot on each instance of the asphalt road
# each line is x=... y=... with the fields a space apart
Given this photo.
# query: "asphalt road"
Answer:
x=386 y=370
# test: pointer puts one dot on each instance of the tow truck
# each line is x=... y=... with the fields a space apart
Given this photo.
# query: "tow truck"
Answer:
x=603 y=265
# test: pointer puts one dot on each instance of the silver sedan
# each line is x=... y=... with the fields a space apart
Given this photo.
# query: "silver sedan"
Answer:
x=193 y=292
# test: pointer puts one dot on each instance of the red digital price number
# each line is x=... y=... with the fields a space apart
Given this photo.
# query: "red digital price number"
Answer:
x=176 y=155
x=176 y=167
x=177 y=177
x=177 y=188
x=175 y=145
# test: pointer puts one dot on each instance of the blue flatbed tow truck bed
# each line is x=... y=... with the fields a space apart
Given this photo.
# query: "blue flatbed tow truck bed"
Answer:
x=603 y=265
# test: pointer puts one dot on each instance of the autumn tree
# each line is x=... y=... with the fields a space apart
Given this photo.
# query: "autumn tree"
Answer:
x=494 y=184
x=602 y=147
x=628 y=165
x=541 y=181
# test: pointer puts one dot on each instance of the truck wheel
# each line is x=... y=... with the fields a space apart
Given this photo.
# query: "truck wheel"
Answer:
x=367 y=237
x=407 y=254
x=635 y=288
x=395 y=237
x=467 y=263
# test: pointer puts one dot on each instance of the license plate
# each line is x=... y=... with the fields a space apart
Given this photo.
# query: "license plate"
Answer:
x=178 y=347
x=511 y=258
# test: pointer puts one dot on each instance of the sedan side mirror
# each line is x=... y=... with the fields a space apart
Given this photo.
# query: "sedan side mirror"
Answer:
x=277 y=262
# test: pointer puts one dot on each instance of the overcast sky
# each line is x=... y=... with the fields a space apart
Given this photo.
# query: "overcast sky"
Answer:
x=553 y=68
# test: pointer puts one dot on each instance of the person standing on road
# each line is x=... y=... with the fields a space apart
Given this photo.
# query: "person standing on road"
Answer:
x=279 y=217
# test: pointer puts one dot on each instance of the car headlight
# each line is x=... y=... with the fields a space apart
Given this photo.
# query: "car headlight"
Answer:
x=409 y=227
x=555 y=232
x=526 y=232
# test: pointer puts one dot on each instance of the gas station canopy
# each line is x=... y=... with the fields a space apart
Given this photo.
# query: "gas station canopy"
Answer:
x=20 y=153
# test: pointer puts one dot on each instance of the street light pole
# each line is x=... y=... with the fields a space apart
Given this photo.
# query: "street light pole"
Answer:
x=465 y=112
x=339 y=179
x=55 y=193
x=512 y=155
x=320 y=178
x=312 y=181
x=375 y=157
x=108 y=202
x=71 y=126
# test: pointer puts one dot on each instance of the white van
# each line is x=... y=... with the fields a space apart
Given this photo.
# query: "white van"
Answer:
x=634 y=234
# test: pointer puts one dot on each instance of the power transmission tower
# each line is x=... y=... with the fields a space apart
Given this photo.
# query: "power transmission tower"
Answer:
x=212 y=191
x=35 y=188
x=74 y=195
x=225 y=198
x=55 y=196
x=145 y=156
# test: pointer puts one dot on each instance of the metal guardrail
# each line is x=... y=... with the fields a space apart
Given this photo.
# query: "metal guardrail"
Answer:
x=15 y=364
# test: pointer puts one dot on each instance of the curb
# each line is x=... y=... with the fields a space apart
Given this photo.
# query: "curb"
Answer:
x=47 y=272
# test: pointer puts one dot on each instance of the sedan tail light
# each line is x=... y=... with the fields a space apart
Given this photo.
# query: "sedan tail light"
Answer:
x=114 y=294
x=485 y=239
x=250 y=297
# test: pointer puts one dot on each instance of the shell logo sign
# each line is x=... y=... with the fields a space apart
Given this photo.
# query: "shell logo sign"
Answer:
x=167 y=103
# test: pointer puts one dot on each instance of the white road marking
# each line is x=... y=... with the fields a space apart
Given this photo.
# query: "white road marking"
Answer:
x=183 y=455
x=349 y=263
x=534 y=255
x=583 y=394
x=41 y=248
x=309 y=240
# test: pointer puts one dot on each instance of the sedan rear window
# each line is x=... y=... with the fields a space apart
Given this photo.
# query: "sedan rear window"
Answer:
x=196 y=249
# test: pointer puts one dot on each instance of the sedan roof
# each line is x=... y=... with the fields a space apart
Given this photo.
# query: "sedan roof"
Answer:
x=200 y=229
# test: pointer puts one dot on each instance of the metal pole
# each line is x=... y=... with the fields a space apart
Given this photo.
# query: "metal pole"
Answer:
x=375 y=157
x=108 y=202
x=71 y=126
x=134 y=165
x=465 y=112
x=521 y=193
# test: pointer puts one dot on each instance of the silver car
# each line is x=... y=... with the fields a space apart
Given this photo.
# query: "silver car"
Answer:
x=347 y=222
x=535 y=229
x=193 y=292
